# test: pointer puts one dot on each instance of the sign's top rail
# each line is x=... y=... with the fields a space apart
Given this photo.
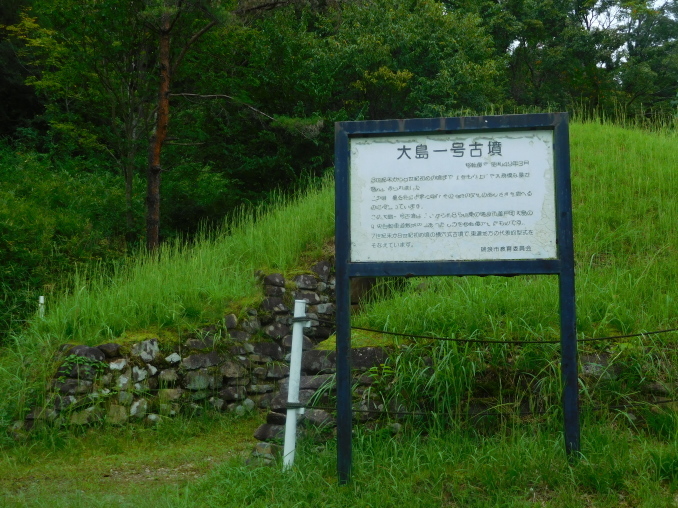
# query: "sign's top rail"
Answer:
x=411 y=125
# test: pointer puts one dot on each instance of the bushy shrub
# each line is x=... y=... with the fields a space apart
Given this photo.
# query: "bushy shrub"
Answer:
x=53 y=217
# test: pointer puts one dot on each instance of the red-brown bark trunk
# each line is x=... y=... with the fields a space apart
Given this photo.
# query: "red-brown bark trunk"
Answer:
x=158 y=139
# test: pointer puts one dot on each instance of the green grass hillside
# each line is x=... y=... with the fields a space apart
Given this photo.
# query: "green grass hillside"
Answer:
x=625 y=185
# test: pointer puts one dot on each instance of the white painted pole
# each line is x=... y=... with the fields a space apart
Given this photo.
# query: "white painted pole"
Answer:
x=293 y=387
x=41 y=306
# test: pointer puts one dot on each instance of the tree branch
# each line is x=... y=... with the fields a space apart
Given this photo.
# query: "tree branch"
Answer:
x=262 y=6
x=223 y=96
x=190 y=42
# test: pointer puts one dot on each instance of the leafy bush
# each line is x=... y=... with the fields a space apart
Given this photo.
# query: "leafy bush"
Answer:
x=53 y=218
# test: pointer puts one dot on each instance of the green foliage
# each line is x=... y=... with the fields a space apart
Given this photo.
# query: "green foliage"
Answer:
x=51 y=219
x=519 y=466
x=623 y=185
x=80 y=361
x=198 y=280
x=288 y=75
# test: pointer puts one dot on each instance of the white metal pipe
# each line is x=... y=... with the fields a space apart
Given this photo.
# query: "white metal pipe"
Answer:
x=293 y=387
x=41 y=306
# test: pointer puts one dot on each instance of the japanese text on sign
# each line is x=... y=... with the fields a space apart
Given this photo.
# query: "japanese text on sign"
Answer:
x=462 y=196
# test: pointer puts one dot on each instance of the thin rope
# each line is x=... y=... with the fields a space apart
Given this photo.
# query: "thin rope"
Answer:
x=486 y=341
x=497 y=413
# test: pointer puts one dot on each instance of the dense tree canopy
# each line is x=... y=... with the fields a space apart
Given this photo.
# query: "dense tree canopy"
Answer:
x=253 y=102
x=229 y=99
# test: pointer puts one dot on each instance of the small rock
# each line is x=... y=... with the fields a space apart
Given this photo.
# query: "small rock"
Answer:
x=217 y=403
x=118 y=364
x=259 y=372
x=276 y=418
x=232 y=369
x=146 y=350
x=199 y=395
x=306 y=343
x=309 y=297
x=168 y=376
x=201 y=360
x=61 y=403
x=319 y=418
x=274 y=291
x=237 y=350
x=240 y=381
x=230 y=321
x=315 y=361
x=274 y=279
x=275 y=305
x=106 y=379
x=125 y=398
x=279 y=403
x=111 y=350
x=173 y=358
x=139 y=373
x=395 y=428
x=277 y=330
x=85 y=417
x=167 y=409
x=231 y=393
x=153 y=419
x=322 y=269
x=656 y=388
x=92 y=353
x=310 y=382
x=200 y=344
x=139 y=408
x=305 y=281
x=261 y=388
x=117 y=415
x=326 y=308
x=267 y=449
x=278 y=371
x=252 y=325
x=76 y=371
x=124 y=382
x=239 y=335
x=269 y=432
x=170 y=394
x=260 y=358
x=74 y=386
x=197 y=380
x=597 y=366
x=365 y=358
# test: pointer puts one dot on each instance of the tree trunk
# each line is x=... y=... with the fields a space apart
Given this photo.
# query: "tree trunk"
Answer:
x=129 y=193
x=158 y=139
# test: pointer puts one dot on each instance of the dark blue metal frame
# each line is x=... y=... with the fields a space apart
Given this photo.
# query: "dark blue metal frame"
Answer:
x=563 y=266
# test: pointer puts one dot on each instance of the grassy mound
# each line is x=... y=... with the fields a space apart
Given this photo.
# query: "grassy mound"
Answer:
x=624 y=188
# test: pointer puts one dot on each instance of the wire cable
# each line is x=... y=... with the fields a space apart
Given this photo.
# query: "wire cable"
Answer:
x=487 y=341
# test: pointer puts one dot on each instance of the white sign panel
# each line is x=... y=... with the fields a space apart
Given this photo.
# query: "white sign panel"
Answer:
x=462 y=196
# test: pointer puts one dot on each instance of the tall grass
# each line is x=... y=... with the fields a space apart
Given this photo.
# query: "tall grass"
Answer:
x=181 y=286
x=186 y=283
x=625 y=185
x=517 y=466
x=624 y=188
x=625 y=208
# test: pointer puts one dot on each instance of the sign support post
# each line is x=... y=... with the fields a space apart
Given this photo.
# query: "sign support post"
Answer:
x=454 y=197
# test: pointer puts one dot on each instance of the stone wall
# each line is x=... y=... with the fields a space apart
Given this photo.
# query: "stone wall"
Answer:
x=237 y=365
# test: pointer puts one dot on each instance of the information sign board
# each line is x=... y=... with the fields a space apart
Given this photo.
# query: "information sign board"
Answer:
x=457 y=196
x=454 y=196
